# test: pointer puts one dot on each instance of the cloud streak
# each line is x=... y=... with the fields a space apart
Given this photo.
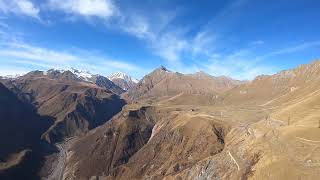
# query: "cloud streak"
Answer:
x=239 y=65
x=19 y=7
x=93 y=8
x=121 y=65
x=25 y=51
x=161 y=37
x=30 y=56
x=292 y=49
x=245 y=64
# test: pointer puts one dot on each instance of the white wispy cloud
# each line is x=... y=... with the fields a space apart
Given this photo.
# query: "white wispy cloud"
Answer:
x=25 y=51
x=163 y=39
x=208 y=48
x=136 y=25
x=203 y=43
x=20 y=55
x=291 y=49
x=169 y=46
x=87 y=8
x=167 y=43
x=240 y=64
x=19 y=7
x=121 y=65
x=245 y=64
x=7 y=70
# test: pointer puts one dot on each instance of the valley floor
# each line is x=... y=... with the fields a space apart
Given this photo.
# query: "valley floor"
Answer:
x=60 y=164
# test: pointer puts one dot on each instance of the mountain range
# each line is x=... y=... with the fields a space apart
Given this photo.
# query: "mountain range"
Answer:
x=162 y=82
x=71 y=124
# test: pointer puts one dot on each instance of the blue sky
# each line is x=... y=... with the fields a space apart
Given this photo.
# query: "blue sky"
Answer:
x=237 y=38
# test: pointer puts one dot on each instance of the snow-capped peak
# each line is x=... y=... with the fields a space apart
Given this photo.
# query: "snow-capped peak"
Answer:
x=86 y=75
x=121 y=75
x=81 y=74
x=11 y=76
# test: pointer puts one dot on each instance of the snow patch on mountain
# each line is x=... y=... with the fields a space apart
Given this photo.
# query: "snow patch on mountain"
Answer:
x=85 y=75
x=11 y=76
x=121 y=75
x=81 y=74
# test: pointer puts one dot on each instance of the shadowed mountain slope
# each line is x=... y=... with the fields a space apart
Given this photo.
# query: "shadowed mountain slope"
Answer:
x=76 y=106
x=20 y=132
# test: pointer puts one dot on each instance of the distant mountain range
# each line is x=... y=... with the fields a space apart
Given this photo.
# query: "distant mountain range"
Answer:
x=117 y=82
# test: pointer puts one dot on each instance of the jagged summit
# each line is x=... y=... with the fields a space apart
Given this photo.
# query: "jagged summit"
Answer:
x=80 y=74
x=119 y=75
x=162 y=68
x=123 y=80
x=124 y=76
x=75 y=75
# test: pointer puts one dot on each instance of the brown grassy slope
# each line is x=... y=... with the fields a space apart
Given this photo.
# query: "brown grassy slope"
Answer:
x=188 y=142
x=111 y=145
x=121 y=150
x=298 y=142
x=176 y=145
x=162 y=82
x=264 y=90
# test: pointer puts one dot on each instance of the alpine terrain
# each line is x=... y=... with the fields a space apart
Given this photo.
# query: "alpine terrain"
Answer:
x=159 y=90
x=69 y=124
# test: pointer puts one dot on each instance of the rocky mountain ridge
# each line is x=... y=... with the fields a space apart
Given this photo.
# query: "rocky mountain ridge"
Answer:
x=123 y=80
x=163 y=82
